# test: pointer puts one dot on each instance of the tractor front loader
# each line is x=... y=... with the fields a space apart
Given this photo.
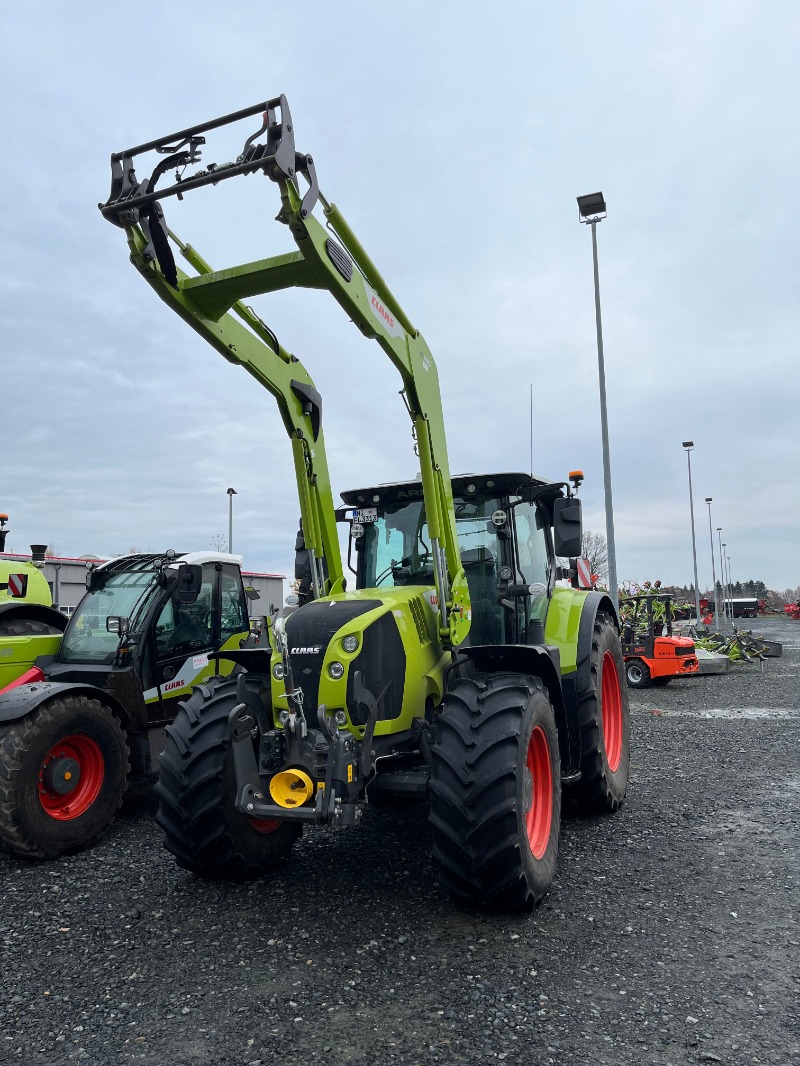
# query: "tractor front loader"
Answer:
x=456 y=670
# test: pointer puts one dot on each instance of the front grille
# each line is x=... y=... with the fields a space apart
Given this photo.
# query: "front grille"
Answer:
x=312 y=627
x=382 y=664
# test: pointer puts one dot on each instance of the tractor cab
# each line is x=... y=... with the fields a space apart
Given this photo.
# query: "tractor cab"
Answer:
x=504 y=523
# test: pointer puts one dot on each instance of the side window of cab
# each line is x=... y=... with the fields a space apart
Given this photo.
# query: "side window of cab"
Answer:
x=234 y=616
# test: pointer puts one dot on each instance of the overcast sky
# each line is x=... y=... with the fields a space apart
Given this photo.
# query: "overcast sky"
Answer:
x=454 y=137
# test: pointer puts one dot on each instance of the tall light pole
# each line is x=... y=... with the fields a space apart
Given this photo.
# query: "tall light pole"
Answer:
x=722 y=574
x=689 y=445
x=726 y=601
x=713 y=568
x=591 y=210
x=231 y=494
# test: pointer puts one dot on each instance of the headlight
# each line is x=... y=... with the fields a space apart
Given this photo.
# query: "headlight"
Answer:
x=350 y=642
x=277 y=671
x=336 y=670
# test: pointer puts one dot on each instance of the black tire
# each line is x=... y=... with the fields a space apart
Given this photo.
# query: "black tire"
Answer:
x=196 y=791
x=483 y=794
x=43 y=814
x=659 y=682
x=604 y=723
x=637 y=674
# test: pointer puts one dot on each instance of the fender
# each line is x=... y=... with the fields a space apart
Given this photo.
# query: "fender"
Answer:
x=541 y=661
x=33 y=612
x=594 y=602
x=25 y=699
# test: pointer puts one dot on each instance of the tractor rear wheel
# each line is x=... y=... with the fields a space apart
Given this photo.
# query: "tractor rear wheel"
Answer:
x=197 y=789
x=63 y=770
x=495 y=792
x=637 y=674
x=604 y=723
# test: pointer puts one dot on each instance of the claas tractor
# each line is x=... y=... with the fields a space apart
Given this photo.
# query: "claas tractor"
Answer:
x=653 y=656
x=455 y=670
x=93 y=706
x=29 y=624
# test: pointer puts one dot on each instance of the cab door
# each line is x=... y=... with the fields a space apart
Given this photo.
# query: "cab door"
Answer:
x=183 y=637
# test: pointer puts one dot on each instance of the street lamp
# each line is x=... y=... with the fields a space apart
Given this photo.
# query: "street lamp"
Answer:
x=722 y=574
x=591 y=210
x=689 y=445
x=231 y=494
x=713 y=568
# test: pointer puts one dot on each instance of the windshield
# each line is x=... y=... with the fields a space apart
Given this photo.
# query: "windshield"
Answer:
x=397 y=545
x=125 y=594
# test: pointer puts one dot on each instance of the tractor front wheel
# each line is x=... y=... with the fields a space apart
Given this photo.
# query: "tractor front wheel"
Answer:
x=63 y=770
x=495 y=792
x=197 y=791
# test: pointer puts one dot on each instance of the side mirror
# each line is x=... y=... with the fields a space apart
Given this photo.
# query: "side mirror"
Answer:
x=251 y=593
x=567 y=526
x=190 y=581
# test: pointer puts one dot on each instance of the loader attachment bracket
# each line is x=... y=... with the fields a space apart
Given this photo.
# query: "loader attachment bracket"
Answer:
x=130 y=200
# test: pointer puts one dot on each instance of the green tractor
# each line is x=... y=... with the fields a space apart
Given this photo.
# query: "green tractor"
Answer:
x=456 y=670
x=92 y=708
x=29 y=625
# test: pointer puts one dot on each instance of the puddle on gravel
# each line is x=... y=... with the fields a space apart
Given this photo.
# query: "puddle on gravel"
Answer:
x=741 y=712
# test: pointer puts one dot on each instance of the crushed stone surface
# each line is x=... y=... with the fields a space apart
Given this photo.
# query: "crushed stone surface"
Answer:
x=670 y=936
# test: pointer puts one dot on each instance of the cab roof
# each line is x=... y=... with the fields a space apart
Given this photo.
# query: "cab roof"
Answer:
x=504 y=484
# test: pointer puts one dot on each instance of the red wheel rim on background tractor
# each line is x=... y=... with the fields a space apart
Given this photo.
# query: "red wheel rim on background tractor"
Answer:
x=540 y=815
x=71 y=776
x=611 y=705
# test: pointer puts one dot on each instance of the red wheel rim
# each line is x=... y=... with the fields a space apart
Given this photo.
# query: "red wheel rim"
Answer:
x=76 y=758
x=611 y=706
x=265 y=825
x=539 y=816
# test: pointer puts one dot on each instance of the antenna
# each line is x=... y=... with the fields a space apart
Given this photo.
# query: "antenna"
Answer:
x=531 y=429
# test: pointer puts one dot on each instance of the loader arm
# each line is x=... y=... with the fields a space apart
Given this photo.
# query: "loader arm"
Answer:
x=327 y=257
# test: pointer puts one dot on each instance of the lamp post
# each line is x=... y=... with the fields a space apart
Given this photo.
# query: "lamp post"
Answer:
x=231 y=494
x=689 y=445
x=721 y=575
x=713 y=568
x=726 y=602
x=591 y=210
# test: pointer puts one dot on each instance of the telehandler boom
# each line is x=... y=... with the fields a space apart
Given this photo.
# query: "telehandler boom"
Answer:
x=385 y=690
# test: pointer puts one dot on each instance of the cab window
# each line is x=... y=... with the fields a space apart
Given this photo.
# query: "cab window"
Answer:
x=234 y=609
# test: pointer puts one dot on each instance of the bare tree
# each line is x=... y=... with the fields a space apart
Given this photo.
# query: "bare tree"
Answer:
x=219 y=542
x=594 y=549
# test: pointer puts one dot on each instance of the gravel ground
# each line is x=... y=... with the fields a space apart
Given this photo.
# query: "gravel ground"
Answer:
x=670 y=935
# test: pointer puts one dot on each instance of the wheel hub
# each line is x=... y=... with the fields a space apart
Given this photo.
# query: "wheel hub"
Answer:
x=71 y=776
x=61 y=776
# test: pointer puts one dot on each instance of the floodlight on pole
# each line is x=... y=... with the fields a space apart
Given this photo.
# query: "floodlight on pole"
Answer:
x=688 y=445
x=591 y=210
x=231 y=494
x=709 y=500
